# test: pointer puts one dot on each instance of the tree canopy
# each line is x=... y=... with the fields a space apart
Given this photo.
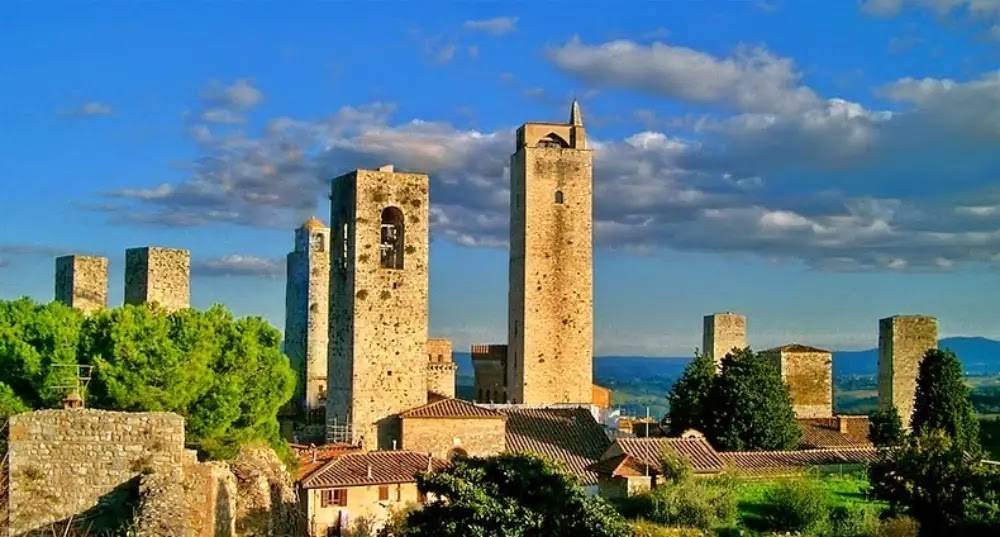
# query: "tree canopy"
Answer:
x=509 y=495
x=226 y=376
x=749 y=407
x=688 y=395
x=942 y=401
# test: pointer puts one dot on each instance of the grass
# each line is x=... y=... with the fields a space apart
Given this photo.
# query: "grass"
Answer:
x=843 y=489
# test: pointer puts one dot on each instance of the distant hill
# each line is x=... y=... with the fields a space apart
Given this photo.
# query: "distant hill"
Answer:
x=979 y=356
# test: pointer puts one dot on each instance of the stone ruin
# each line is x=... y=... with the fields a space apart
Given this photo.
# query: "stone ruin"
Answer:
x=99 y=471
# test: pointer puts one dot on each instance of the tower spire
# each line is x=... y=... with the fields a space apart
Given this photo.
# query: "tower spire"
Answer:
x=575 y=117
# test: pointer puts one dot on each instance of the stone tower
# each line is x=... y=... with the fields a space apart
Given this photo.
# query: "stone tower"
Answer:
x=378 y=303
x=902 y=342
x=82 y=282
x=808 y=372
x=307 y=309
x=161 y=275
x=550 y=329
x=721 y=333
x=441 y=367
x=490 y=364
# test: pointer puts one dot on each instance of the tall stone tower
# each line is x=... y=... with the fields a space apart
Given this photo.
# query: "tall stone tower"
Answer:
x=82 y=282
x=162 y=275
x=378 y=308
x=902 y=342
x=550 y=329
x=721 y=333
x=808 y=372
x=307 y=309
x=441 y=367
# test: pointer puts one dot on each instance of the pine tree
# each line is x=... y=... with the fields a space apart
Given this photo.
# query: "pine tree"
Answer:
x=942 y=401
x=687 y=396
x=750 y=407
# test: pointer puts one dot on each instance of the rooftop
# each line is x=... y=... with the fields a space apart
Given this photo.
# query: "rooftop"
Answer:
x=313 y=223
x=451 y=408
x=568 y=435
x=697 y=451
x=372 y=468
x=822 y=433
x=795 y=347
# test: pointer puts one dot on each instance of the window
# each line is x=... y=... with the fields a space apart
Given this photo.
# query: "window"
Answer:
x=330 y=497
x=480 y=398
x=317 y=242
x=552 y=140
x=383 y=493
x=343 y=246
x=559 y=197
x=392 y=238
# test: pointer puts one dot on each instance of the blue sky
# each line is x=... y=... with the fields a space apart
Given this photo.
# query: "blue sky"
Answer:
x=814 y=165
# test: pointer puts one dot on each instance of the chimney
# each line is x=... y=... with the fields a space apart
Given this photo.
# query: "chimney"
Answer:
x=842 y=424
x=429 y=459
x=72 y=400
x=394 y=444
x=369 y=471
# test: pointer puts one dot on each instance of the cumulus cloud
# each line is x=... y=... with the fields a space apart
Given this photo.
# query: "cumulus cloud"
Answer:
x=90 y=109
x=750 y=79
x=239 y=265
x=494 y=26
x=833 y=185
x=226 y=104
x=985 y=13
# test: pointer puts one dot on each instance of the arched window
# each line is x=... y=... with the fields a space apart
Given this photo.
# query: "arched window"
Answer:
x=559 y=197
x=392 y=238
x=552 y=140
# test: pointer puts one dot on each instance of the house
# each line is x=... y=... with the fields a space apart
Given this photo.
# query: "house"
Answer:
x=359 y=484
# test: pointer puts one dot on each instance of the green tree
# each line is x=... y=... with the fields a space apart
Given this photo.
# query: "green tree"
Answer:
x=942 y=401
x=751 y=408
x=510 y=495
x=687 y=396
x=885 y=427
x=34 y=341
x=931 y=478
x=10 y=403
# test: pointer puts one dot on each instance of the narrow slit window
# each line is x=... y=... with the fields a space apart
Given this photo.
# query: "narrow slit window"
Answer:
x=559 y=197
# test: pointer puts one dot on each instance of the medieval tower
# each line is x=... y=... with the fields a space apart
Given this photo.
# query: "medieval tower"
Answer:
x=550 y=328
x=161 y=275
x=378 y=303
x=307 y=299
x=902 y=342
x=721 y=333
x=82 y=282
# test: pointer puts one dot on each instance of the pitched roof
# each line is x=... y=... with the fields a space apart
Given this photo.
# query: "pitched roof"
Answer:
x=372 y=468
x=823 y=433
x=769 y=461
x=697 y=451
x=623 y=465
x=569 y=435
x=795 y=347
x=451 y=408
x=312 y=457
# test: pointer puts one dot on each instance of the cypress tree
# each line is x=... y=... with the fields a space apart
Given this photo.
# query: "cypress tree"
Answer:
x=942 y=401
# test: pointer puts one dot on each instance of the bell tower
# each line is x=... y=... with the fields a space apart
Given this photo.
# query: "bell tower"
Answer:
x=551 y=315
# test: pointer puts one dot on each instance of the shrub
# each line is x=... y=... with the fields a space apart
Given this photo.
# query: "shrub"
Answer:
x=673 y=467
x=901 y=526
x=690 y=504
x=854 y=521
x=797 y=506
x=642 y=528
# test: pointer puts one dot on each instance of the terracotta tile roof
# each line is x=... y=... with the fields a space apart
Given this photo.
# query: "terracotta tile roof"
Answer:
x=372 y=468
x=569 y=435
x=697 y=451
x=451 y=408
x=323 y=454
x=769 y=461
x=823 y=433
x=795 y=347
x=623 y=465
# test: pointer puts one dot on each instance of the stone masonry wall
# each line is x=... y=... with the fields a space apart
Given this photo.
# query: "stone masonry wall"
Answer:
x=550 y=328
x=307 y=298
x=809 y=375
x=721 y=333
x=63 y=462
x=902 y=342
x=82 y=282
x=161 y=275
x=490 y=377
x=379 y=337
x=440 y=367
x=478 y=437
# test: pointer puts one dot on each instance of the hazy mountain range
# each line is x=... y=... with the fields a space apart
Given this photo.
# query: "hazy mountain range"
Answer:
x=979 y=356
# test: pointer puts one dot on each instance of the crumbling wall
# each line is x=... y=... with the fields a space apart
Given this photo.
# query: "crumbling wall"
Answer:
x=266 y=502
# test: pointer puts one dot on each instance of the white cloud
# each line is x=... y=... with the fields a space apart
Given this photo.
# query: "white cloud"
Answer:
x=978 y=12
x=240 y=95
x=91 y=109
x=239 y=265
x=494 y=26
x=750 y=79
